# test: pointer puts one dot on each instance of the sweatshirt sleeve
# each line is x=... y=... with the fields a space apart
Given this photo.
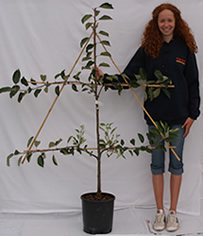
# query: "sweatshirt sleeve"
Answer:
x=192 y=77
x=132 y=68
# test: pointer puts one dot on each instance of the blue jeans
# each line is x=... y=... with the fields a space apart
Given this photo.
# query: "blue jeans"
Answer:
x=158 y=156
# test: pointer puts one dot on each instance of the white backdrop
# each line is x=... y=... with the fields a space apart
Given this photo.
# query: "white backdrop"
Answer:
x=42 y=37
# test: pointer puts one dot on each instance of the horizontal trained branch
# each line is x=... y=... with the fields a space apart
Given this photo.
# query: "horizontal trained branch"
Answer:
x=82 y=149
x=106 y=84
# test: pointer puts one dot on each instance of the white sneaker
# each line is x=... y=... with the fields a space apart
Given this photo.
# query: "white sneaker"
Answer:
x=160 y=221
x=172 y=222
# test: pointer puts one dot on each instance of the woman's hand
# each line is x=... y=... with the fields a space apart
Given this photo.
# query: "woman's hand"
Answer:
x=187 y=125
x=99 y=73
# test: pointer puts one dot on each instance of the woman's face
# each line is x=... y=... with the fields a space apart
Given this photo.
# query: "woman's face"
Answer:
x=166 y=24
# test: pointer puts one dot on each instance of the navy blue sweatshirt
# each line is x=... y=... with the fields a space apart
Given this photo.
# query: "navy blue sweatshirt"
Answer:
x=178 y=63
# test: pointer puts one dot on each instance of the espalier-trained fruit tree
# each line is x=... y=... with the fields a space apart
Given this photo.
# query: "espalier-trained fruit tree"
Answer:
x=108 y=142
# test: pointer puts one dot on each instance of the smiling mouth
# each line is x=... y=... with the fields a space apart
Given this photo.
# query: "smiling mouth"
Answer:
x=167 y=30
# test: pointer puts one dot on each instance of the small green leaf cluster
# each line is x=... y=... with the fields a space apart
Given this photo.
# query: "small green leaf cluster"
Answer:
x=116 y=83
x=92 y=21
x=113 y=145
x=21 y=86
x=161 y=133
x=152 y=89
x=157 y=86
x=69 y=149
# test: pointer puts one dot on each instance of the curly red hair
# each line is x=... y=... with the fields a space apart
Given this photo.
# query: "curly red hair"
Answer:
x=152 y=39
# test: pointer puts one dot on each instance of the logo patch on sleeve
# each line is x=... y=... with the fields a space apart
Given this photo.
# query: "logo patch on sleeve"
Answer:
x=180 y=60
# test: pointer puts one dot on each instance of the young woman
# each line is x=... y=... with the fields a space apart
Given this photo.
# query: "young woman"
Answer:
x=169 y=46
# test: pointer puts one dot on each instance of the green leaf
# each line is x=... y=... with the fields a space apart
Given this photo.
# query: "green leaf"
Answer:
x=54 y=160
x=37 y=143
x=143 y=148
x=122 y=142
x=19 y=160
x=77 y=76
x=37 y=92
x=105 y=42
x=16 y=76
x=69 y=139
x=145 y=95
x=8 y=158
x=88 y=65
x=106 y=5
x=147 y=149
x=89 y=47
x=83 y=41
x=171 y=137
x=84 y=89
x=141 y=138
x=43 y=77
x=132 y=141
x=158 y=74
x=5 y=89
x=156 y=92
x=166 y=92
x=29 y=141
x=104 y=33
x=14 y=90
x=138 y=77
x=151 y=82
x=113 y=130
x=88 y=25
x=174 y=130
x=62 y=74
x=85 y=18
x=86 y=58
x=137 y=151
x=24 y=81
x=46 y=89
x=150 y=94
x=101 y=141
x=131 y=153
x=57 y=90
x=163 y=125
x=33 y=82
x=65 y=151
x=29 y=90
x=29 y=157
x=158 y=131
x=58 y=141
x=105 y=54
x=104 y=64
x=21 y=95
x=143 y=74
x=16 y=152
x=51 y=144
x=105 y=17
x=74 y=87
x=40 y=161
x=102 y=145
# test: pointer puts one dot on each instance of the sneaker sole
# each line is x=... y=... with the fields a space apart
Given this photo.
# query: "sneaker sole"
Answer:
x=172 y=229
x=159 y=229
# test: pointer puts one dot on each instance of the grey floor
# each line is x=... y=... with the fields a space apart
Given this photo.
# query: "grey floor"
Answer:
x=130 y=221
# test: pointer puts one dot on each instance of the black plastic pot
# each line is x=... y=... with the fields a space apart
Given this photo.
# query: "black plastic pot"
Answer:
x=97 y=215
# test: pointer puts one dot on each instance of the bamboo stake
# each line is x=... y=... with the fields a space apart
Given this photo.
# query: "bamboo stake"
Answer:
x=154 y=123
x=51 y=108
